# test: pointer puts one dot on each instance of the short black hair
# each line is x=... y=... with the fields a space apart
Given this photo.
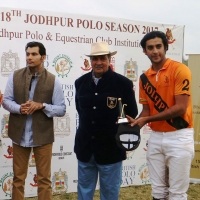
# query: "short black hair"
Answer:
x=152 y=35
x=42 y=50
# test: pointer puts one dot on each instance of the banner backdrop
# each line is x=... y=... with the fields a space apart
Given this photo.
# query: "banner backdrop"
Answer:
x=194 y=63
x=67 y=38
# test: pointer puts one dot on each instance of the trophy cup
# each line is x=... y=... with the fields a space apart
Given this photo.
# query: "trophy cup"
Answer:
x=127 y=137
x=122 y=118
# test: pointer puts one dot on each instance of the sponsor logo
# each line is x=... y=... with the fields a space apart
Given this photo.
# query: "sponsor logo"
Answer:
x=145 y=149
x=62 y=126
x=60 y=182
x=87 y=66
x=129 y=154
x=35 y=180
x=166 y=79
x=61 y=154
x=112 y=63
x=62 y=64
x=111 y=102
x=147 y=129
x=131 y=70
x=169 y=35
x=144 y=174
x=4 y=126
x=9 y=152
x=32 y=159
x=6 y=183
x=9 y=63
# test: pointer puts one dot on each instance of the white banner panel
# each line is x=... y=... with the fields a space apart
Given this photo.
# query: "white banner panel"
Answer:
x=67 y=38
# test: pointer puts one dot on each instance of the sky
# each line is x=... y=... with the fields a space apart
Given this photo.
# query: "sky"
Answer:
x=178 y=12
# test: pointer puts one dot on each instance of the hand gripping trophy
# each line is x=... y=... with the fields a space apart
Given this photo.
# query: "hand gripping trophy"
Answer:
x=127 y=137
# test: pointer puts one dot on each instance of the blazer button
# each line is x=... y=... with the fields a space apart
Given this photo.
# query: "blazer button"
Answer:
x=93 y=137
x=93 y=122
x=96 y=93
x=94 y=107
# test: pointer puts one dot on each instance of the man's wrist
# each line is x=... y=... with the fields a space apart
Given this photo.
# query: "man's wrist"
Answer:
x=43 y=105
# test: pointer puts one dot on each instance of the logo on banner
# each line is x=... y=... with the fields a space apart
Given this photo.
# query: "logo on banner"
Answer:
x=129 y=154
x=62 y=125
x=169 y=35
x=9 y=152
x=145 y=148
x=4 y=126
x=147 y=129
x=32 y=159
x=9 y=63
x=131 y=70
x=59 y=182
x=112 y=64
x=86 y=64
x=62 y=64
x=35 y=180
x=6 y=183
x=144 y=174
x=61 y=154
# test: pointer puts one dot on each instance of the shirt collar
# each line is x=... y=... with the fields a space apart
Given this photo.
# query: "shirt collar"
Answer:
x=165 y=66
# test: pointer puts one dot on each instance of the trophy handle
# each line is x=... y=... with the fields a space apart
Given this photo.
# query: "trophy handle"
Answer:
x=122 y=115
x=122 y=118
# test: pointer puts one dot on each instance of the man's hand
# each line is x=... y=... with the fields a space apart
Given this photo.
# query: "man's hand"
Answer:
x=30 y=107
x=140 y=121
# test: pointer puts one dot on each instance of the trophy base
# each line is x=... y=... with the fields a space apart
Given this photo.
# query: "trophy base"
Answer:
x=122 y=120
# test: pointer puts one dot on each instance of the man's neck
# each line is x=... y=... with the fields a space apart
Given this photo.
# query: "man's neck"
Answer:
x=157 y=66
x=34 y=70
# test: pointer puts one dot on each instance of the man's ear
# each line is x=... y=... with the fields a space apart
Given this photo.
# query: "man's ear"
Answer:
x=144 y=51
x=43 y=58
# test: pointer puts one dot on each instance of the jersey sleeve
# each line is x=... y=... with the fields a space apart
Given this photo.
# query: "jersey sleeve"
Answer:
x=183 y=78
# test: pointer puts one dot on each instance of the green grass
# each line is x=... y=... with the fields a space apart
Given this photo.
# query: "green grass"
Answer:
x=131 y=193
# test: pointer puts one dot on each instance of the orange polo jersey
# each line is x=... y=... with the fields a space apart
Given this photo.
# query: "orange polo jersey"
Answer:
x=158 y=90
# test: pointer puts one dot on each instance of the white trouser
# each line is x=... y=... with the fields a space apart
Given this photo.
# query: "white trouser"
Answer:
x=169 y=158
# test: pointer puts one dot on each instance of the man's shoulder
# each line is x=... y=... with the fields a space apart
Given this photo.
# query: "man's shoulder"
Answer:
x=20 y=70
x=178 y=67
x=83 y=78
x=121 y=79
x=175 y=63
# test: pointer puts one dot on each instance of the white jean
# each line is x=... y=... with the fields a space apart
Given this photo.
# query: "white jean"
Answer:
x=169 y=158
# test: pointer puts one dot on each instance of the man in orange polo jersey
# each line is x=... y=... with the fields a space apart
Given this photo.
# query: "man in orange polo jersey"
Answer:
x=165 y=93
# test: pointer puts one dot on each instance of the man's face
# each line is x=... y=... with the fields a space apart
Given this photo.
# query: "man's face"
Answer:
x=155 y=50
x=33 y=57
x=100 y=65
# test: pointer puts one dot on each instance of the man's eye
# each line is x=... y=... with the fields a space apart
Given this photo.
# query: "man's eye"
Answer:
x=95 y=58
x=158 y=46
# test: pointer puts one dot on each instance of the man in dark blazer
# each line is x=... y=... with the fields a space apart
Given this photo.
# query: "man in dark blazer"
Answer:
x=96 y=149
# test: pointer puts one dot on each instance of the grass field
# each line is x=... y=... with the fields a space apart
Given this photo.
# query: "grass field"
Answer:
x=131 y=193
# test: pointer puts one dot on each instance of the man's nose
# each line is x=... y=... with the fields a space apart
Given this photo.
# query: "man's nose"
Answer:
x=155 y=50
x=28 y=56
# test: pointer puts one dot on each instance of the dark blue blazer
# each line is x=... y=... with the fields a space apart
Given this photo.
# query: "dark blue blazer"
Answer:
x=98 y=114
